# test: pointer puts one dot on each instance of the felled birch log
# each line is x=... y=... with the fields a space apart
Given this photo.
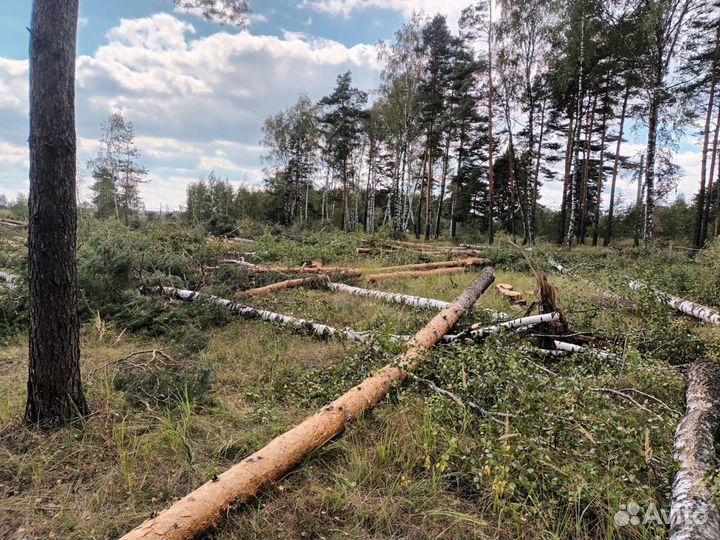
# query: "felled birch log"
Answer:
x=694 y=515
x=572 y=349
x=9 y=279
x=417 y=274
x=602 y=291
x=309 y=327
x=417 y=302
x=477 y=331
x=201 y=509
x=703 y=313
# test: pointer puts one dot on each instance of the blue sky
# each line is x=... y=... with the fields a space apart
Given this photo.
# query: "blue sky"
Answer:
x=198 y=92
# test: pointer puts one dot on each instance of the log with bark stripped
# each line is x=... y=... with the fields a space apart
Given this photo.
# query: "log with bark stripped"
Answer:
x=703 y=313
x=288 y=284
x=204 y=507
x=417 y=274
x=15 y=224
x=694 y=515
x=470 y=261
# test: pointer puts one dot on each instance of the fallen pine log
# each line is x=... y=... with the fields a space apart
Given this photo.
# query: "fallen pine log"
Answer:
x=703 y=313
x=349 y=272
x=470 y=261
x=13 y=223
x=288 y=284
x=313 y=328
x=201 y=509
x=693 y=512
x=417 y=274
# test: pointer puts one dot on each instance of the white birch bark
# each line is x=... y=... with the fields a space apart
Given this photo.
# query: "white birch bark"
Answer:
x=9 y=279
x=417 y=302
x=313 y=328
x=478 y=332
x=703 y=313
x=572 y=349
x=604 y=292
x=693 y=514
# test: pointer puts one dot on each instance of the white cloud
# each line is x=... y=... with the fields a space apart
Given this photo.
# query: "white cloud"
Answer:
x=197 y=102
x=344 y=8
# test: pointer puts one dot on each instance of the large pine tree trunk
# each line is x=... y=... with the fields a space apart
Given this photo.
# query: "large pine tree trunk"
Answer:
x=443 y=180
x=601 y=173
x=55 y=391
x=616 y=167
x=586 y=172
x=711 y=176
x=693 y=512
x=201 y=509
x=491 y=174
x=703 y=161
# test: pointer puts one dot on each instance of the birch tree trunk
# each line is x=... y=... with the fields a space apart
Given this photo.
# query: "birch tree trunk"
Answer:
x=703 y=313
x=694 y=515
x=711 y=176
x=204 y=507
x=586 y=173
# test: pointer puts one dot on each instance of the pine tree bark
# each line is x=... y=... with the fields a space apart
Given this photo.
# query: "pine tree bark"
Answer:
x=601 y=173
x=711 y=176
x=55 y=393
x=616 y=168
x=443 y=180
x=586 y=173
x=491 y=178
x=536 y=176
x=703 y=161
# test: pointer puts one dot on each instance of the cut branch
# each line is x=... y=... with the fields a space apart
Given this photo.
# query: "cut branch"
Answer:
x=204 y=507
x=693 y=513
x=703 y=313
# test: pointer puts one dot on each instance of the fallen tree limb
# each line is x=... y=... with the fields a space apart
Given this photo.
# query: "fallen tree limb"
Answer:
x=417 y=274
x=316 y=329
x=201 y=509
x=417 y=302
x=693 y=513
x=571 y=348
x=703 y=313
x=328 y=270
x=288 y=284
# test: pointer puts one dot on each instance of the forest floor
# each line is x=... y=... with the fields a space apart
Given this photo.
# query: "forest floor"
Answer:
x=558 y=455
